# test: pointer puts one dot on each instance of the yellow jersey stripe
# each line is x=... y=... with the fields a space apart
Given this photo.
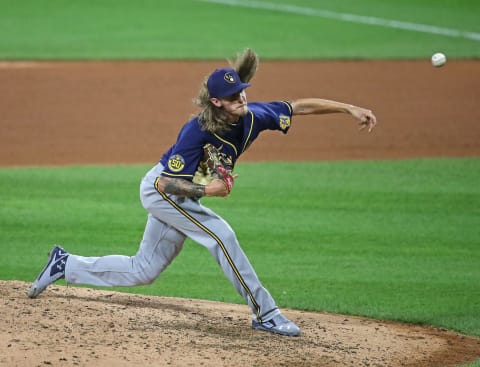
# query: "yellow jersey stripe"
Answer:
x=175 y=175
x=289 y=107
x=249 y=133
x=227 y=142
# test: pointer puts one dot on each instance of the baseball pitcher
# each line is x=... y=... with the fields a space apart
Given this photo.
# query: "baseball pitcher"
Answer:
x=201 y=163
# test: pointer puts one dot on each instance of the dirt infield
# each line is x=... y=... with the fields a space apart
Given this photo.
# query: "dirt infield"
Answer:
x=130 y=112
x=67 y=113
x=83 y=327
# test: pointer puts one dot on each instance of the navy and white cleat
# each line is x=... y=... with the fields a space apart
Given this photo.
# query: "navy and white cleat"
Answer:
x=54 y=270
x=278 y=325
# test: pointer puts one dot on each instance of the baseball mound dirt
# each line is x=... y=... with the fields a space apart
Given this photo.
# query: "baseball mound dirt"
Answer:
x=68 y=326
x=130 y=112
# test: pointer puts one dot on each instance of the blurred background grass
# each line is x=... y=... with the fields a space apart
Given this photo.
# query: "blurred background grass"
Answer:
x=196 y=29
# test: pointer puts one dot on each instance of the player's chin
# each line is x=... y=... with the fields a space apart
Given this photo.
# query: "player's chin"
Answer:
x=242 y=110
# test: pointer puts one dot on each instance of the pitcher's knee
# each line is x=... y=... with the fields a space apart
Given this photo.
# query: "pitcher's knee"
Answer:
x=145 y=280
x=146 y=273
x=227 y=242
x=147 y=276
x=229 y=238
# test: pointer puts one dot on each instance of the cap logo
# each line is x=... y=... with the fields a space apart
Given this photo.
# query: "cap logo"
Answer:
x=229 y=78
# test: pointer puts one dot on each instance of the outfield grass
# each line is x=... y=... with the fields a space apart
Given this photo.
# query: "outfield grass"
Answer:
x=194 y=29
x=392 y=240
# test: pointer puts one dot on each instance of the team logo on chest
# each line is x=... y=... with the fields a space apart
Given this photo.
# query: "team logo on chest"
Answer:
x=284 y=122
x=176 y=163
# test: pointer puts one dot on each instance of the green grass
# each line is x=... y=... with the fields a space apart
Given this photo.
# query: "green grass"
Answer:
x=395 y=240
x=191 y=29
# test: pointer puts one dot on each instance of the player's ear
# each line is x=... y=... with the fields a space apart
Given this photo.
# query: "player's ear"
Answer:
x=216 y=102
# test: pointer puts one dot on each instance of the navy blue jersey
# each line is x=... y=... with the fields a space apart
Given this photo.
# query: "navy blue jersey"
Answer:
x=182 y=159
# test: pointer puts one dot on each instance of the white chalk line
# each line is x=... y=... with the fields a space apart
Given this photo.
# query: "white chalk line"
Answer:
x=389 y=23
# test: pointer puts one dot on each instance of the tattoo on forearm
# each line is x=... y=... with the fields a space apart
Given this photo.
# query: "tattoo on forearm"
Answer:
x=184 y=188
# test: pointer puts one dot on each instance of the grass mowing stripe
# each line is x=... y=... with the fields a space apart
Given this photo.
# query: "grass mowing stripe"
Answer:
x=148 y=29
x=354 y=18
x=386 y=239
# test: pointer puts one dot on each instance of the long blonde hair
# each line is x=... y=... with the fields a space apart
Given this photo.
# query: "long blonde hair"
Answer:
x=212 y=118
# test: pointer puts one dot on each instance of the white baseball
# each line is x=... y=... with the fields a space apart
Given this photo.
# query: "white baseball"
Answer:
x=438 y=59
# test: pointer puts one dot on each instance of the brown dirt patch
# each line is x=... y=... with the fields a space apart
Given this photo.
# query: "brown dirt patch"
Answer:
x=130 y=112
x=83 y=327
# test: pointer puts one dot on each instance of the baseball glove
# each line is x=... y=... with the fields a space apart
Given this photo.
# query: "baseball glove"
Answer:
x=214 y=165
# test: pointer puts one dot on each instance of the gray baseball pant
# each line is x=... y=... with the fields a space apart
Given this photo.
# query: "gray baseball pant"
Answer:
x=170 y=220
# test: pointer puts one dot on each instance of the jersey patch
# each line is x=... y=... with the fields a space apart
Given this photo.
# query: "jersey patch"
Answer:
x=176 y=163
x=284 y=122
